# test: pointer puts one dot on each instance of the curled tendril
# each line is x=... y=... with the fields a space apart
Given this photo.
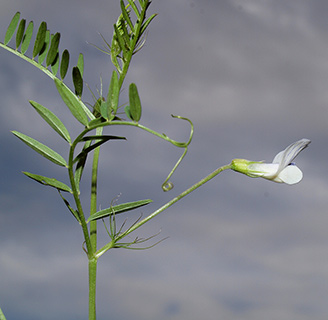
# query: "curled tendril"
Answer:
x=183 y=144
x=167 y=186
x=94 y=125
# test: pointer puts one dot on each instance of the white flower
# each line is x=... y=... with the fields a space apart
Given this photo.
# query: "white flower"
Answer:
x=282 y=169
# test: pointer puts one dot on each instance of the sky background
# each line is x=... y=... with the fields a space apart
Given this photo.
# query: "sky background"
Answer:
x=253 y=77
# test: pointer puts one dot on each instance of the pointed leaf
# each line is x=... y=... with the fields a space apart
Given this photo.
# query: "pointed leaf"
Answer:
x=64 y=63
x=113 y=93
x=96 y=107
x=51 y=182
x=125 y=14
x=125 y=34
x=146 y=23
x=20 y=32
x=43 y=52
x=79 y=171
x=53 y=49
x=72 y=102
x=11 y=28
x=74 y=212
x=55 y=64
x=104 y=112
x=114 y=53
x=134 y=7
x=77 y=81
x=99 y=141
x=80 y=166
x=102 y=137
x=80 y=64
x=118 y=209
x=52 y=120
x=96 y=122
x=120 y=40
x=42 y=149
x=40 y=38
x=27 y=37
x=135 y=105
x=128 y=112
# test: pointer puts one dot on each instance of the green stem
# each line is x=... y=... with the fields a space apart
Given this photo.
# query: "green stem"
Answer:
x=133 y=124
x=78 y=201
x=164 y=207
x=176 y=199
x=133 y=44
x=93 y=200
x=93 y=209
x=93 y=232
x=46 y=71
x=33 y=62
x=91 y=244
x=92 y=288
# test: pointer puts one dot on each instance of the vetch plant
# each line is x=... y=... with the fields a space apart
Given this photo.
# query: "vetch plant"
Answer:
x=128 y=38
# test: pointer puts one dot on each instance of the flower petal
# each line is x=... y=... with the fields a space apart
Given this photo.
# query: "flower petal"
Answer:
x=285 y=157
x=265 y=170
x=290 y=175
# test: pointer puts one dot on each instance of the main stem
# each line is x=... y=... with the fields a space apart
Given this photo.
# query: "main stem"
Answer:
x=92 y=266
x=92 y=288
x=93 y=233
x=93 y=204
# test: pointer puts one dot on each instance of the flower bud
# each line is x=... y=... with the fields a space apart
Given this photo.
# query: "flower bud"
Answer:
x=242 y=166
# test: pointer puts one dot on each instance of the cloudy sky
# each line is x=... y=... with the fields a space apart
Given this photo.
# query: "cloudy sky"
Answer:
x=253 y=77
